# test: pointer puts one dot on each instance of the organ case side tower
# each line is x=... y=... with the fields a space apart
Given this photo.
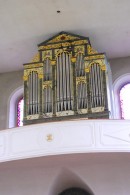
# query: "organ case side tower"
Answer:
x=67 y=79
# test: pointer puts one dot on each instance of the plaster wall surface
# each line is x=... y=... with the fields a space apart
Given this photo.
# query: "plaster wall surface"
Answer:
x=102 y=173
x=9 y=82
x=119 y=67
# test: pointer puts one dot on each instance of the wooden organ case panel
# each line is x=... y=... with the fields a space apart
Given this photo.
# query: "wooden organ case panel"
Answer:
x=65 y=80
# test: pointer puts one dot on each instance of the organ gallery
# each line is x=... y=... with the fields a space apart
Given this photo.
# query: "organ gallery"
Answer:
x=67 y=79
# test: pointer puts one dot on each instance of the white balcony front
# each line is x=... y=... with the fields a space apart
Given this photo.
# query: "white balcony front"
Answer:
x=66 y=137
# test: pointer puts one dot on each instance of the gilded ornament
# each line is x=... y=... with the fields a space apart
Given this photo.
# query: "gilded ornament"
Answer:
x=79 y=49
x=66 y=44
x=103 y=67
x=80 y=80
x=37 y=65
x=53 y=62
x=73 y=59
x=25 y=78
x=91 y=50
x=63 y=37
x=49 y=137
x=94 y=57
x=54 y=46
x=99 y=62
x=59 y=51
x=46 y=54
x=87 y=70
x=37 y=70
x=36 y=58
x=47 y=84
x=35 y=116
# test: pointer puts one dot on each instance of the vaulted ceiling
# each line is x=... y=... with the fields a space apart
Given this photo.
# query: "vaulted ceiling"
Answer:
x=26 y=23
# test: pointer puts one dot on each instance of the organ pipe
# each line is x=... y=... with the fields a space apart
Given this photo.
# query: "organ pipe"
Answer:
x=33 y=100
x=64 y=82
x=96 y=86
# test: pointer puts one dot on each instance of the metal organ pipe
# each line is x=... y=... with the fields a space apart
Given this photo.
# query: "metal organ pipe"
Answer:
x=96 y=86
x=47 y=90
x=33 y=101
x=64 y=82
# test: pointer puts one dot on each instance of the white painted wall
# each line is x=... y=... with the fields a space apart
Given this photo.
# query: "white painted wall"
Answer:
x=9 y=82
x=103 y=173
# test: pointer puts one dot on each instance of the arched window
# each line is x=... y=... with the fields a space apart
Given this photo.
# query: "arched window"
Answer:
x=118 y=86
x=20 y=112
x=12 y=107
x=125 y=101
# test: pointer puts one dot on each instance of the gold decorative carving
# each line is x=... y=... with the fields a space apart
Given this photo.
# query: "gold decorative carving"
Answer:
x=100 y=62
x=35 y=116
x=81 y=42
x=80 y=80
x=65 y=113
x=54 y=46
x=63 y=37
x=49 y=137
x=102 y=56
x=37 y=70
x=66 y=44
x=46 y=54
x=103 y=67
x=91 y=50
x=25 y=78
x=47 y=84
x=59 y=51
x=36 y=58
x=53 y=62
x=73 y=59
x=33 y=65
x=87 y=70
x=79 y=49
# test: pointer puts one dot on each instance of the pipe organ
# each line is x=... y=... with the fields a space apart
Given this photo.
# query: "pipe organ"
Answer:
x=67 y=79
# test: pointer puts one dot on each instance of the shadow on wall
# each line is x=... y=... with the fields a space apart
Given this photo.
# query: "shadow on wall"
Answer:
x=68 y=182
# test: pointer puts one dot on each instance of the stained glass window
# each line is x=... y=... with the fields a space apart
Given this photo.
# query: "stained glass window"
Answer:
x=125 y=101
x=20 y=112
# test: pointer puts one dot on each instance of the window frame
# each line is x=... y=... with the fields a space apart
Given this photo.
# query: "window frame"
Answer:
x=117 y=85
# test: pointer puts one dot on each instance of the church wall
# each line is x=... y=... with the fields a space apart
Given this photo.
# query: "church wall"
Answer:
x=119 y=67
x=9 y=82
x=103 y=174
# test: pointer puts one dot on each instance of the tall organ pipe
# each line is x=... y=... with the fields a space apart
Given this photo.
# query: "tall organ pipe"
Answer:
x=96 y=86
x=64 y=83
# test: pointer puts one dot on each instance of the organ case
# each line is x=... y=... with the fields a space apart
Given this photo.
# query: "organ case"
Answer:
x=67 y=79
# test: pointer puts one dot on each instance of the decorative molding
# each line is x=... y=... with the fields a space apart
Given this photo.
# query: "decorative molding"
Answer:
x=35 y=116
x=59 y=45
x=63 y=37
x=94 y=57
x=91 y=51
x=37 y=70
x=81 y=80
x=47 y=84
